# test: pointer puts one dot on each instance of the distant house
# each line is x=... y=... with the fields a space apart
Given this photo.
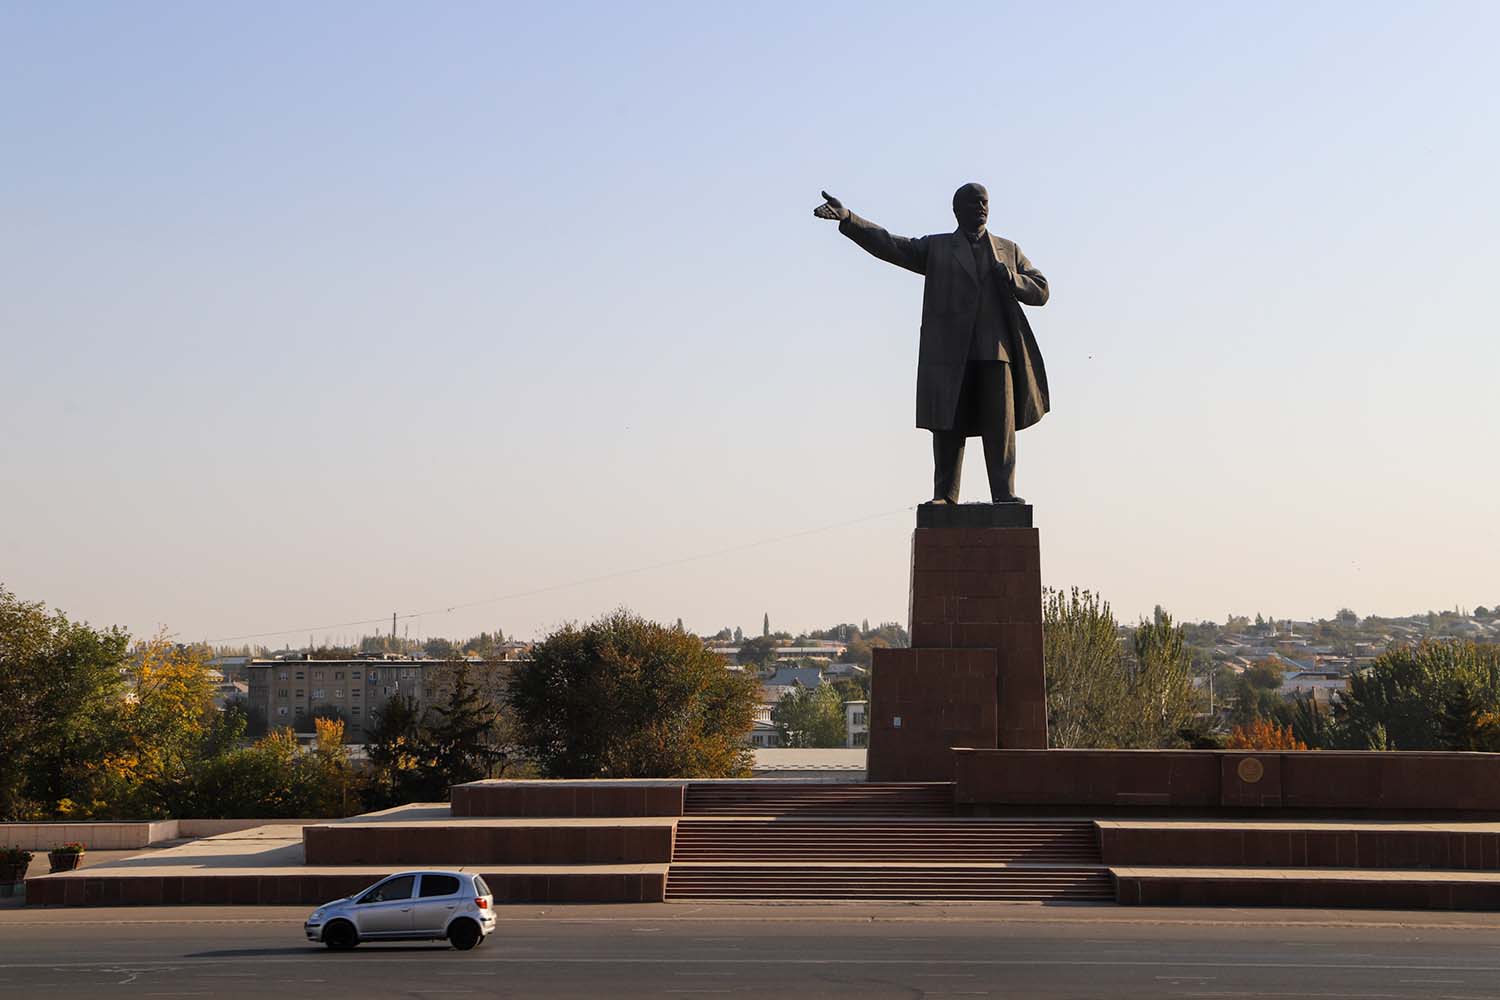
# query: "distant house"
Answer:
x=787 y=678
x=227 y=691
x=763 y=734
x=1321 y=685
x=857 y=723
x=820 y=650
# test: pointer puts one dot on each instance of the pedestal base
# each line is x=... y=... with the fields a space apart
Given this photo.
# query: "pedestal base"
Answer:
x=974 y=675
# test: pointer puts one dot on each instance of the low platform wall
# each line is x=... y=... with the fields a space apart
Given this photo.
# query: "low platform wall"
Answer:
x=127 y=836
x=577 y=886
x=1340 y=890
x=568 y=799
x=574 y=844
x=1211 y=781
x=1292 y=844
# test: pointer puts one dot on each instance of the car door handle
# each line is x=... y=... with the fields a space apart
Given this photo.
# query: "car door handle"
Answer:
x=406 y=909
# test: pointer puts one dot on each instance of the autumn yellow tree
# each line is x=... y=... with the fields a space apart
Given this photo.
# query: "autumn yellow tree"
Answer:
x=153 y=736
x=1263 y=734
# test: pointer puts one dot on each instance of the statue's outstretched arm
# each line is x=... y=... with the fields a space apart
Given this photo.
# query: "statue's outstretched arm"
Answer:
x=899 y=250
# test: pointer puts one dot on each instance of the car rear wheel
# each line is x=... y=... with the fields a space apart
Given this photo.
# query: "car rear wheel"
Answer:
x=340 y=936
x=464 y=934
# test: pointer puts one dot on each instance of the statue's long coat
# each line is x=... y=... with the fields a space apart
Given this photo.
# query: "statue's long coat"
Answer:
x=950 y=302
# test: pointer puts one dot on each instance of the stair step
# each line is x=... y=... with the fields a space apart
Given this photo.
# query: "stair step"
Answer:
x=732 y=842
x=752 y=882
x=734 y=798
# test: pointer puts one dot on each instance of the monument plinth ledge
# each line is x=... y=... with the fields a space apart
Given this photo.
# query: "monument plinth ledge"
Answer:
x=974 y=515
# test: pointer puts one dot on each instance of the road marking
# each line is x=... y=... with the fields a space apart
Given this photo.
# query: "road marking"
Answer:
x=1445 y=982
x=219 y=962
x=1342 y=996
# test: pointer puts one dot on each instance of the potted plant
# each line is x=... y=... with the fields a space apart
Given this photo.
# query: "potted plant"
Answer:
x=67 y=857
x=13 y=864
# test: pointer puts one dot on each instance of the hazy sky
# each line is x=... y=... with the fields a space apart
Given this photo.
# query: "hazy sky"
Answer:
x=309 y=313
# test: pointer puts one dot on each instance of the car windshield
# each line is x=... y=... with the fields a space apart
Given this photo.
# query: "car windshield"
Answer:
x=480 y=887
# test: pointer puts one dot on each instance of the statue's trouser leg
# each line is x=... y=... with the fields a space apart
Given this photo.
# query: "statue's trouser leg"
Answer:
x=947 y=464
x=998 y=427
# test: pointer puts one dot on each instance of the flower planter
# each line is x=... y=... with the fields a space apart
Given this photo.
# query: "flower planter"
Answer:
x=10 y=876
x=64 y=861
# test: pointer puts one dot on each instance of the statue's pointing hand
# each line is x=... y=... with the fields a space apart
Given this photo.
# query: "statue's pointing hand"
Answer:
x=832 y=209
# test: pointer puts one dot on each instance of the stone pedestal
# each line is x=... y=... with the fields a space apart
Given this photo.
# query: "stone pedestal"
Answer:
x=973 y=677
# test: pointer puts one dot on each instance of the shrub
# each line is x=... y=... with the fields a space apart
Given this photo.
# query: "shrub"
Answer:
x=627 y=698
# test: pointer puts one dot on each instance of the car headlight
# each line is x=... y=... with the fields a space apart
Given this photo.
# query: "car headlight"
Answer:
x=316 y=916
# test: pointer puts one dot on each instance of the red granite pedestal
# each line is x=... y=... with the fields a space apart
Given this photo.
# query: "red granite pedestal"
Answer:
x=973 y=676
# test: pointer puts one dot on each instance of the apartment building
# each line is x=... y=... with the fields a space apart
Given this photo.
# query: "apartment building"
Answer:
x=289 y=692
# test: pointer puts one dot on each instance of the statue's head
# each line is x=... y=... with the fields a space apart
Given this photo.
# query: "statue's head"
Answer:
x=971 y=207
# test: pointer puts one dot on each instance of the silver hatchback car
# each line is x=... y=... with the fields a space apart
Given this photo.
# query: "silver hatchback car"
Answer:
x=409 y=906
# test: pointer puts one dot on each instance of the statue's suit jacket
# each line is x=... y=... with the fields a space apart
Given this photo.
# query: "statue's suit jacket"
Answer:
x=950 y=303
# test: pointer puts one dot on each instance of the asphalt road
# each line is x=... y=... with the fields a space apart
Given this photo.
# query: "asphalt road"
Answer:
x=787 y=951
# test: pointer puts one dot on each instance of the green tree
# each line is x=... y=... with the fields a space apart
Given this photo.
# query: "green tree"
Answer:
x=256 y=781
x=1162 y=695
x=152 y=738
x=1309 y=723
x=227 y=729
x=1086 y=683
x=460 y=740
x=1424 y=697
x=855 y=687
x=395 y=749
x=623 y=697
x=60 y=685
x=759 y=651
x=1100 y=696
x=810 y=717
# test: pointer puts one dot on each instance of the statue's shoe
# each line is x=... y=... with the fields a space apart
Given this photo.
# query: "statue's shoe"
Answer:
x=938 y=502
x=1009 y=499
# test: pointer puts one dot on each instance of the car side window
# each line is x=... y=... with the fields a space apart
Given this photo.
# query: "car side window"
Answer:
x=390 y=890
x=438 y=885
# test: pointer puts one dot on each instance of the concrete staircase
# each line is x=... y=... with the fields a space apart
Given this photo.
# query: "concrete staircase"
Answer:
x=849 y=881
x=917 y=841
x=873 y=841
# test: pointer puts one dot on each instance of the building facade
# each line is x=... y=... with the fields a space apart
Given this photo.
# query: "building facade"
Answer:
x=289 y=693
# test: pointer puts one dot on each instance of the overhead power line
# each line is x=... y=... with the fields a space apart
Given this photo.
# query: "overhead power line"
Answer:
x=583 y=581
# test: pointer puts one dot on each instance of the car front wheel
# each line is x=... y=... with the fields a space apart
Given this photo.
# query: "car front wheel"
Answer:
x=464 y=935
x=340 y=936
